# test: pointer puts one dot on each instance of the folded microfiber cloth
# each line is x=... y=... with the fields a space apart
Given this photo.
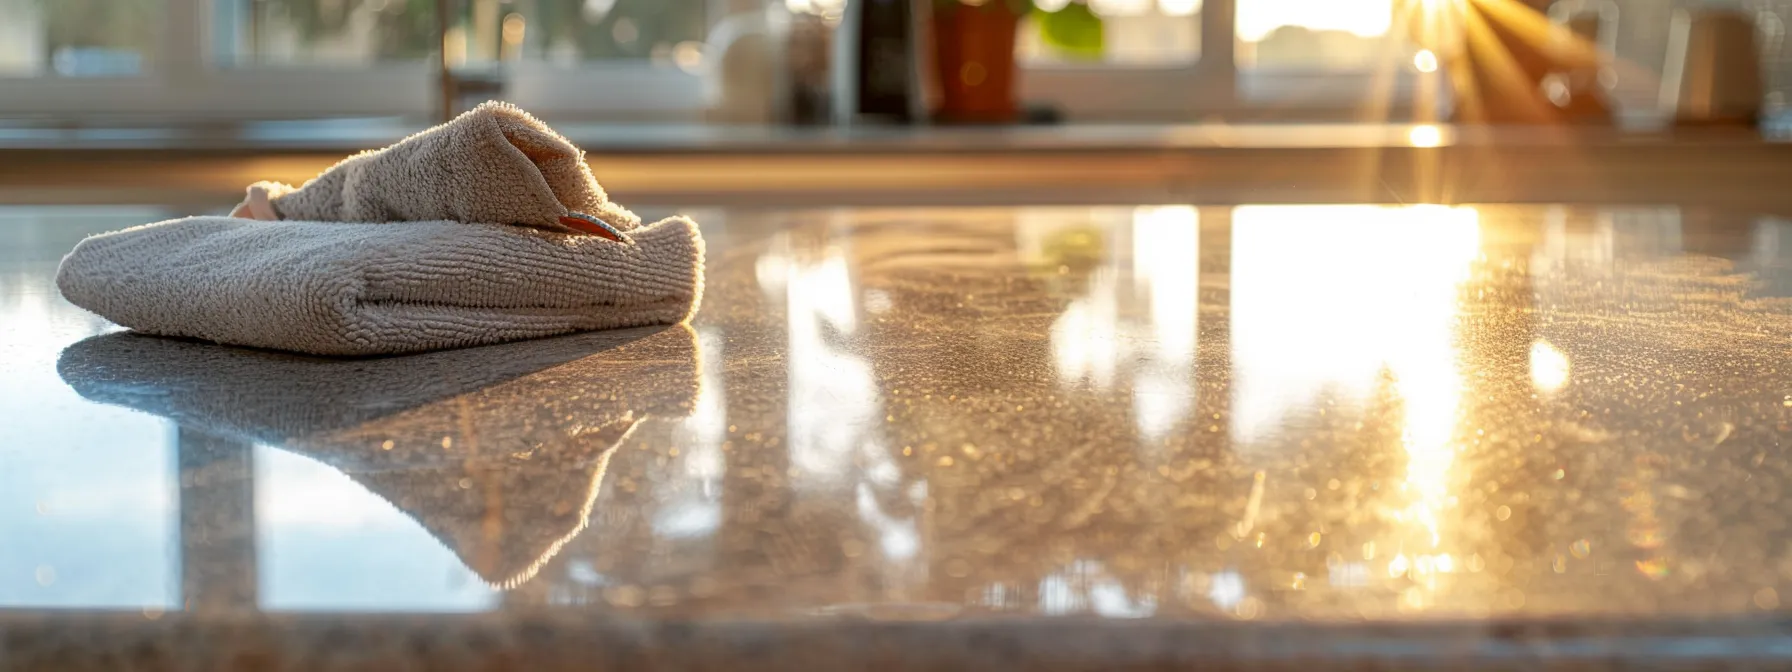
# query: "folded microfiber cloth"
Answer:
x=490 y=261
x=362 y=289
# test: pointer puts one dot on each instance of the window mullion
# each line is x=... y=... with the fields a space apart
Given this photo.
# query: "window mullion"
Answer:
x=182 y=49
x=1219 y=44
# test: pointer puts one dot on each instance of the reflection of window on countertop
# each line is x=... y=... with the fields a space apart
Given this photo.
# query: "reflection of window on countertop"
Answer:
x=89 y=494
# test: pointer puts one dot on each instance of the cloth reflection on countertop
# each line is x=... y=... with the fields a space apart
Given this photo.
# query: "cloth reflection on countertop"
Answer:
x=497 y=451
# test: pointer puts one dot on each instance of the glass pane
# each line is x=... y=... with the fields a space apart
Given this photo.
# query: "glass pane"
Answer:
x=1641 y=46
x=1641 y=49
x=77 y=38
x=1771 y=19
x=1134 y=32
x=354 y=32
x=1358 y=35
x=1317 y=34
x=569 y=31
x=329 y=32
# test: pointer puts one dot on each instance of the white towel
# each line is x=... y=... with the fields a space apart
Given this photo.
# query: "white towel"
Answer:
x=364 y=288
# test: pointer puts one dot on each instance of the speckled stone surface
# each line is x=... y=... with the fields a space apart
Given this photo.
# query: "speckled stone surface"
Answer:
x=1059 y=438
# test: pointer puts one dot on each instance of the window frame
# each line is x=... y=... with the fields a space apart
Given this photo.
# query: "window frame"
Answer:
x=184 y=81
x=1216 y=86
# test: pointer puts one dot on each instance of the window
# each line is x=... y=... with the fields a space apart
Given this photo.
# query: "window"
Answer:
x=76 y=38
x=1639 y=41
x=359 y=32
x=1771 y=18
x=1159 y=60
x=1133 y=32
x=1316 y=58
x=1338 y=58
x=572 y=31
x=337 y=33
x=236 y=59
x=1313 y=34
x=1150 y=64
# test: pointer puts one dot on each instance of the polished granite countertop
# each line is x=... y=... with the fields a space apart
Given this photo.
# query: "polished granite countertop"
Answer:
x=1373 y=437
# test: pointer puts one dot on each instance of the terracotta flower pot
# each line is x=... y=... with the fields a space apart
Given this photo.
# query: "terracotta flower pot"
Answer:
x=974 y=60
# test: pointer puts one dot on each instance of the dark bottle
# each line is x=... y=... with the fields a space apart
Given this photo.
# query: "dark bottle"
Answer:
x=879 y=46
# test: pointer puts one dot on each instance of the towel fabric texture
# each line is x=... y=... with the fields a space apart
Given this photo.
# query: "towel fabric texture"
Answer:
x=450 y=238
x=495 y=163
x=363 y=289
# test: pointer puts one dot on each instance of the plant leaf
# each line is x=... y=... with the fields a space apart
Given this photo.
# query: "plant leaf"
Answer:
x=1073 y=31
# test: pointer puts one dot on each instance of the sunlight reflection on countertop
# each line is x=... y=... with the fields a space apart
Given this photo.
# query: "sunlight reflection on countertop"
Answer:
x=1278 y=414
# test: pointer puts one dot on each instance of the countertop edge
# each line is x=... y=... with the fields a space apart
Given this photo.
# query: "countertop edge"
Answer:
x=549 y=640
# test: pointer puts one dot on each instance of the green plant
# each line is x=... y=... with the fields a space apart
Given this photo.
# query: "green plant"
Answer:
x=1073 y=31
